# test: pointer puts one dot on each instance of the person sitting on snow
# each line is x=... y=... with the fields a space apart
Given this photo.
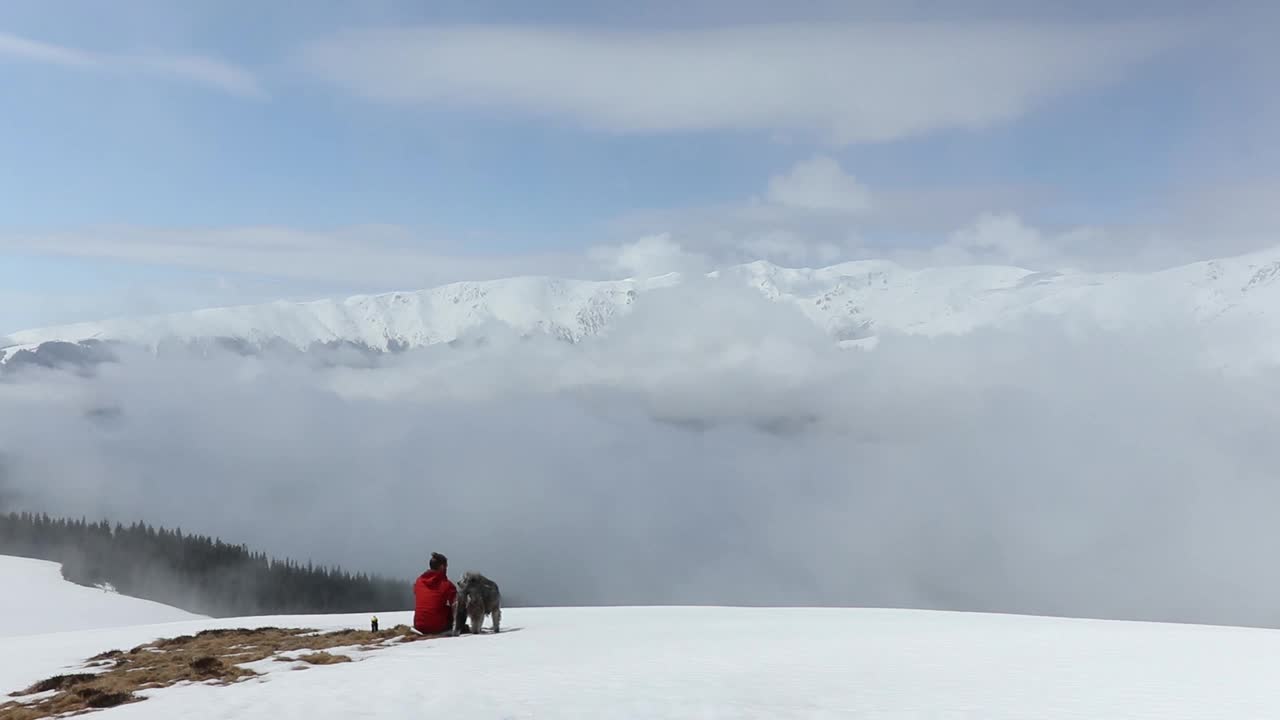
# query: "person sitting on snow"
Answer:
x=434 y=598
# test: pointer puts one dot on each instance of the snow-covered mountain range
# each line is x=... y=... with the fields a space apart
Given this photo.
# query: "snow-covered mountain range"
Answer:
x=853 y=302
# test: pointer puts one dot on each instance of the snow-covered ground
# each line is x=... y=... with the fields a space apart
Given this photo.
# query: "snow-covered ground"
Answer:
x=726 y=662
x=36 y=599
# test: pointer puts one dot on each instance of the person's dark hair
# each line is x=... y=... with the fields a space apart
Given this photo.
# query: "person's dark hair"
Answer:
x=438 y=561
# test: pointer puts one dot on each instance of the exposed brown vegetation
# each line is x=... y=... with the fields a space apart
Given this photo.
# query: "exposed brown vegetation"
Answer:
x=57 y=682
x=211 y=657
x=323 y=658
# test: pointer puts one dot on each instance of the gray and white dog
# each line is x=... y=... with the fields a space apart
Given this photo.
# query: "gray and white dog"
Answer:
x=477 y=596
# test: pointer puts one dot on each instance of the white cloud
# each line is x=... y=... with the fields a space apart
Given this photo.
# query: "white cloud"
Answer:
x=807 y=216
x=817 y=213
x=1029 y=469
x=196 y=69
x=30 y=50
x=372 y=256
x=245 y=265
x=201 y=70
x=1001 y=238
x=648 y=257
x=115 y=296
x=819 y=184
x=845 y=82
x=1006 y=238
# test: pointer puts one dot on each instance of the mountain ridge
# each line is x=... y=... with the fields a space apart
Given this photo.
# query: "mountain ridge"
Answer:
x=853 y=302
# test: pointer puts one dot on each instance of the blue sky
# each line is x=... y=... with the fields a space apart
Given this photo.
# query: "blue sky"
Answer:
x=163 y=156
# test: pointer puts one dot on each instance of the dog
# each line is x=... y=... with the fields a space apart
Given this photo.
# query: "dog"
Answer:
x=477 y=596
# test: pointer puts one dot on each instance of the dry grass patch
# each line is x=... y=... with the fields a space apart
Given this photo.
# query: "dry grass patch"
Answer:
x=323 y=658
x=211 y=657
x=60 y=682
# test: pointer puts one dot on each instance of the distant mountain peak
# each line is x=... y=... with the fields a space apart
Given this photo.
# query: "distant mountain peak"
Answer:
x=852 y=301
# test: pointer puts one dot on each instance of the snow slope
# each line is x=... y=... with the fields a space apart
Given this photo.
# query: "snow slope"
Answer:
x=677 y=662
x=727 y=662
x=853 y=302
x=36 y=599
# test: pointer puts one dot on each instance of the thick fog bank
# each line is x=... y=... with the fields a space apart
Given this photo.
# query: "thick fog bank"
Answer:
x=713 y=448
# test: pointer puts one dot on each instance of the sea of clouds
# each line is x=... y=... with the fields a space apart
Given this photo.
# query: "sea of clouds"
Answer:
x=712 y=447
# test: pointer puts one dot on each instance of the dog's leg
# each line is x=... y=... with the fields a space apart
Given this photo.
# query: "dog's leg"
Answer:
x=497 y=619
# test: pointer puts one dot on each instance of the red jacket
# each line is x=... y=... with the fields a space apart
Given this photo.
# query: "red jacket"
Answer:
x=434 y=596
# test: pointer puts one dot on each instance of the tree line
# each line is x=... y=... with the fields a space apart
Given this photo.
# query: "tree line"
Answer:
x=197 y=573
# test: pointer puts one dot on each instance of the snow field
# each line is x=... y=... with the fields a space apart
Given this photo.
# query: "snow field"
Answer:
x=689 y=662
x=35 y=599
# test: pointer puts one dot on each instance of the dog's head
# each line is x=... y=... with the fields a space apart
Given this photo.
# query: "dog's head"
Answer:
x=476 y=590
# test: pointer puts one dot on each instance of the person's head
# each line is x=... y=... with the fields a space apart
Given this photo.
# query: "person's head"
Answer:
x=438 y=562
